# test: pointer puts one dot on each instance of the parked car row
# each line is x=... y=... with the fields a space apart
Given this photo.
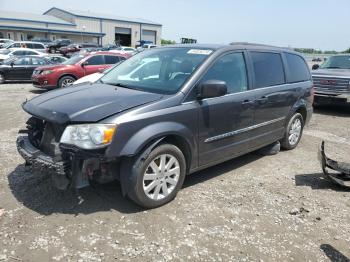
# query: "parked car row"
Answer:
x=63 y=75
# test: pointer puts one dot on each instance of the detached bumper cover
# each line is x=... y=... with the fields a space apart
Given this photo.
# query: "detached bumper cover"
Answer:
x=42 y=162
x=342 y=174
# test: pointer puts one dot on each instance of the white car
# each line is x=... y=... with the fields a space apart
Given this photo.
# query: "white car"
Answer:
x=89 y=78
x=124 y=49
x=7 y=53
x=25 y=44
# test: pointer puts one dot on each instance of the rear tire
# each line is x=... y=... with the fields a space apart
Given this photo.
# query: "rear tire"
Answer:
x=66 y=81
x=293 y=132
x=156 y=177
x=2 y=78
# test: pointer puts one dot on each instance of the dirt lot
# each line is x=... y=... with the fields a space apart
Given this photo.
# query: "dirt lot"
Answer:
x=254 y=208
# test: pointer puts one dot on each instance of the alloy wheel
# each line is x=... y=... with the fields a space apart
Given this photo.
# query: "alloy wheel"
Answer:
x=67 y=82
x=161 y=176
x=295 y=131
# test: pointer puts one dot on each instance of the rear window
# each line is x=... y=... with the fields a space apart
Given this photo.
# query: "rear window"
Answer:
x=96 y=60
x=38 y=46
x=298 y=70
x=268 y=69
x=111 y=59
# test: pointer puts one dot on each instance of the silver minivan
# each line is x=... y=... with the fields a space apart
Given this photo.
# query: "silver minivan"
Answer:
x=27 y=44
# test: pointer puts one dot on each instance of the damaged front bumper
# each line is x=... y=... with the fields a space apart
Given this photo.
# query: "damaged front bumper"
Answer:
x=341 y=176
x=73 y=169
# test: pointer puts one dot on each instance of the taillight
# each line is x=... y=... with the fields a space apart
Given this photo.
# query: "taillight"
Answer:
x=312 y=94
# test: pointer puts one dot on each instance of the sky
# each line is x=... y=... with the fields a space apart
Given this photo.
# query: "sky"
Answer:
x=319 y=24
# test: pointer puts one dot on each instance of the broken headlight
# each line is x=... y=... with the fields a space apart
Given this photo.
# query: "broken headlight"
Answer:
x=89 y=136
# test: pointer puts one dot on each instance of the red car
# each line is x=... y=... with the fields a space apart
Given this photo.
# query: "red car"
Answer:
x=63 y=75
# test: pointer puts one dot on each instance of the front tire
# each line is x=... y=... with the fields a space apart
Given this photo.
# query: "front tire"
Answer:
x=66 y=81
x=52 y=50
x=157 y=176
x=293 y=132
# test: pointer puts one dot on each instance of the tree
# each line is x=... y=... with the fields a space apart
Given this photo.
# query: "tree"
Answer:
x=347 y=50
x=167 y=42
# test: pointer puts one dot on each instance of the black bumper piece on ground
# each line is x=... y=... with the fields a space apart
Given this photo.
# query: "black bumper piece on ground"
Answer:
x=342 y=174
x=42 y=162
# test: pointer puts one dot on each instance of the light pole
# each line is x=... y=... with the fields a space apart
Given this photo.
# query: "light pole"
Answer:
x=82 y=38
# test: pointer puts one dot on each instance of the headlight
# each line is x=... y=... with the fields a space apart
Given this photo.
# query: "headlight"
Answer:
x=89 y=136
x=46 y=72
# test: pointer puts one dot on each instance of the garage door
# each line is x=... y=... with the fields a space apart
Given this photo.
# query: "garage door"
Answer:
x=149 y=36
x=123 y=36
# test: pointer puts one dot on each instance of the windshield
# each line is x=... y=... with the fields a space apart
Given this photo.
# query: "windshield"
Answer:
x=73 y=60
x=342 y=62
x=161 y=71
x=7 y=44
x=8 y=61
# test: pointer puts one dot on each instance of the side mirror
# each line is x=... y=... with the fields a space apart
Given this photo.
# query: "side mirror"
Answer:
x=12 y=64
x=84 y=63
x=315 y=66
x=211 y=88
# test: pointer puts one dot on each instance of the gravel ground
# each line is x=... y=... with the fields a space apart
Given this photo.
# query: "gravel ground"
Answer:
x=253 y=208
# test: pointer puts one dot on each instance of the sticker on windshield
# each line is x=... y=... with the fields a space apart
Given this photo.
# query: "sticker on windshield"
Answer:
x=200 y=52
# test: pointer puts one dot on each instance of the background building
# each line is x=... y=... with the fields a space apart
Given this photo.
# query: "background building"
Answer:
x=78 y=26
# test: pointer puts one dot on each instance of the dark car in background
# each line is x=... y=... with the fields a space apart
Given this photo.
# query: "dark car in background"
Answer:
x=64 y=74
x=20 y=68
x=69 y=50
x=166 y=113
x=332 y=80
x=57 y=44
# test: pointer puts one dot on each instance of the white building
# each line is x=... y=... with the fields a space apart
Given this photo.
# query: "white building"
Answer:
x=80 y=26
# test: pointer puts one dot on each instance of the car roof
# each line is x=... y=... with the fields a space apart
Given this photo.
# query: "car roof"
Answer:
x=23 y=48
x=234 y=46
x=106 y=53
x=29 y=42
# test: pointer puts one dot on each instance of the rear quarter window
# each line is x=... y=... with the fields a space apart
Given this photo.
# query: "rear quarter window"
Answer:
x=38 y=46
x=298 y=70
x=268 y=69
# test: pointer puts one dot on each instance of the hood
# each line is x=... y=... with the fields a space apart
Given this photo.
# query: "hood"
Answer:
x=86 y=103
x=53 y=67
x=341 y=73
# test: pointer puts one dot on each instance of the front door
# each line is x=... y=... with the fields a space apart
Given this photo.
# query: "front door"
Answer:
x=224 y=121
x=95 y=64
x=18 y=69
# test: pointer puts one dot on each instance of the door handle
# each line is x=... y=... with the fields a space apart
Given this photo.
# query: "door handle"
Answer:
x=262 y=100
x=247 y=103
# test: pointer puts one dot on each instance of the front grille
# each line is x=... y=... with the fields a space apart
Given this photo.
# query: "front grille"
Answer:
x=45 y=135
x=331 y=84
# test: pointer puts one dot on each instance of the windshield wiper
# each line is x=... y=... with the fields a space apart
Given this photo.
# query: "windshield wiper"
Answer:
x=122 y=85
x=331 y=67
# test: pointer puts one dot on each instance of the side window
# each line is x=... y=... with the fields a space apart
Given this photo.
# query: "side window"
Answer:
x=15 y=45
x=230 y=68
x=18 y=53
x=38 y=46
x=38 y=61
x=111 y=59
x=22 y=61
x=29 y=53
x=96 y=60
x=29 y=45
x=298 y=70
x=268 y=69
